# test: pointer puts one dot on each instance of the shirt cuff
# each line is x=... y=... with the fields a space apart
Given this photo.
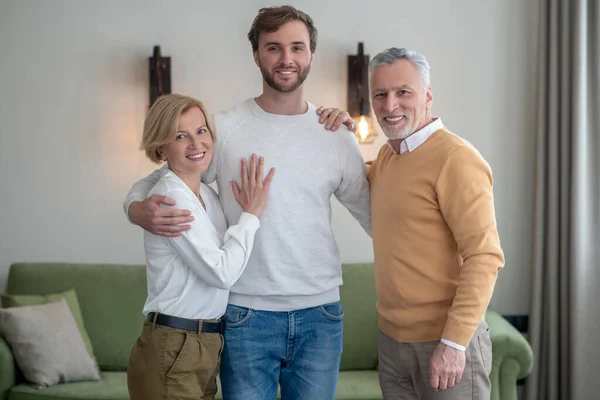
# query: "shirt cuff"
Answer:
x=249 y=220
x=453 y=345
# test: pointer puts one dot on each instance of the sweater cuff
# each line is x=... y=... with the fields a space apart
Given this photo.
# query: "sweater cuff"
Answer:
x=457 y=333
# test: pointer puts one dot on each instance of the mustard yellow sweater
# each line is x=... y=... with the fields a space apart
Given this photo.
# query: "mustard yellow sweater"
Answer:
x=437 y=250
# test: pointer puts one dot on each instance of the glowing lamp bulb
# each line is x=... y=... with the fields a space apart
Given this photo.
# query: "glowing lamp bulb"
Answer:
x=363 y=128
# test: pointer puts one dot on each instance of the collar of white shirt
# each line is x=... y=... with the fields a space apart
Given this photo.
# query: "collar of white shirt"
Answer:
x=419 y=137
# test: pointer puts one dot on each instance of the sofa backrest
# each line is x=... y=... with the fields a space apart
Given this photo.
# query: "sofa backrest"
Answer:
x=358 y=299
x=111 y=298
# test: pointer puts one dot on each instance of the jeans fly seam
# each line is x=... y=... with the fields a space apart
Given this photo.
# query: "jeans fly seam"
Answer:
x=291 y=342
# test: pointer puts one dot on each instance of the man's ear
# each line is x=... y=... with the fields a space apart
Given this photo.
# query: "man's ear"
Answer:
x=429 y=98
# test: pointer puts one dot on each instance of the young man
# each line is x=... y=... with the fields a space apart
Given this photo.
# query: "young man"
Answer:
x=284 y=320
x=437 y=249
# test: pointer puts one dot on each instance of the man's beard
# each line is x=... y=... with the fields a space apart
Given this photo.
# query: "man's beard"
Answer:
x=270 y=79
x=395 y=134
x=410 y=127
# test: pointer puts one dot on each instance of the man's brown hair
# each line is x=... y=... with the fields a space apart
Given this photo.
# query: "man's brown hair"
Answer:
x=270 y=19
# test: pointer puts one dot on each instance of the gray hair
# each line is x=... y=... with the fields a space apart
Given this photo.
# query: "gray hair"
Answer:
x=393 y=54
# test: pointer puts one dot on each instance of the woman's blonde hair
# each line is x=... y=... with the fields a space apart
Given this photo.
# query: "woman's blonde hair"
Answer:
x=162 y=121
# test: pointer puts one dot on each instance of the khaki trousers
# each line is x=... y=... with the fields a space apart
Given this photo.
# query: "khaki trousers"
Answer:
x=404 y=369
x=167 y=363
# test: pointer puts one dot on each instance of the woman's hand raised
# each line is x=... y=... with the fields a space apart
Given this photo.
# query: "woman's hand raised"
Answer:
x=252 y=196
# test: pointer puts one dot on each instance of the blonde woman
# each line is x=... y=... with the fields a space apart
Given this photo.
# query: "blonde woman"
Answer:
x=178 y=353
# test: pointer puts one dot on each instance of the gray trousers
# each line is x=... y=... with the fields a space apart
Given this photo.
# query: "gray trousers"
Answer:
x=404 y=369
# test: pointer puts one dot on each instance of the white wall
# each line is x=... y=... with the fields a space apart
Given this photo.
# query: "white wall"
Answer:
x=74 y=90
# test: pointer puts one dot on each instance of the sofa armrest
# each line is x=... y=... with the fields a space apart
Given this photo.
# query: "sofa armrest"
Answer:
x=512 y=357
x=7 y=369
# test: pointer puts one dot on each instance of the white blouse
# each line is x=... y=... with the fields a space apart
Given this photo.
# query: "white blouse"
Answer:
x=189 y=276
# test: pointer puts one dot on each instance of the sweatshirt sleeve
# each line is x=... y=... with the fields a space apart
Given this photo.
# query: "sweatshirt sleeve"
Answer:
x=464 y=189
x=353 y=191
x=140 y=189
x=210 y=175
x=217 y=265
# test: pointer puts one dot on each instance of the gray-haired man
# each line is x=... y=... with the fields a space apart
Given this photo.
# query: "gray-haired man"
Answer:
x=437 y=250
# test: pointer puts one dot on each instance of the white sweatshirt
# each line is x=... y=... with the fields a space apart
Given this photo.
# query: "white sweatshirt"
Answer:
x=295 y=263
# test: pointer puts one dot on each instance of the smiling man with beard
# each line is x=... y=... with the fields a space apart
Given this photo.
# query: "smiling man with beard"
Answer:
x=437 y=249
x=284 y=318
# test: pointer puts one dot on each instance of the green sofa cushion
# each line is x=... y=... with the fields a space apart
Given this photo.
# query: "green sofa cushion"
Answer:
x=358 y=299
x=111 y=298
x=20 y=300
x=358 y=385
x=113 y=386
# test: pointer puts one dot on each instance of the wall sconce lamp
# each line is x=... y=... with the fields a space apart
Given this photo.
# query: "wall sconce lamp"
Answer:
x=359 y=105
x=160 y=75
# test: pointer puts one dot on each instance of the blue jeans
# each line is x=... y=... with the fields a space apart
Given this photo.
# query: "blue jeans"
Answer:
x=299 y=350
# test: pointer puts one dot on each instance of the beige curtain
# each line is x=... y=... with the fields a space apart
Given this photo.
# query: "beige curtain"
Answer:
x=564 y=325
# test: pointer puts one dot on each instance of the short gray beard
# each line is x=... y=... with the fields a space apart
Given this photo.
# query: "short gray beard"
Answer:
x=396 y=135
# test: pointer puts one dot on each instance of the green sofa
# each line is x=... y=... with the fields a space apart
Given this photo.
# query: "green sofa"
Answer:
x=111 y=299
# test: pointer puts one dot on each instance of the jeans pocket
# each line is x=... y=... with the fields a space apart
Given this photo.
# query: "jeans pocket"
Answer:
x=236 y=315
x=332 y=311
